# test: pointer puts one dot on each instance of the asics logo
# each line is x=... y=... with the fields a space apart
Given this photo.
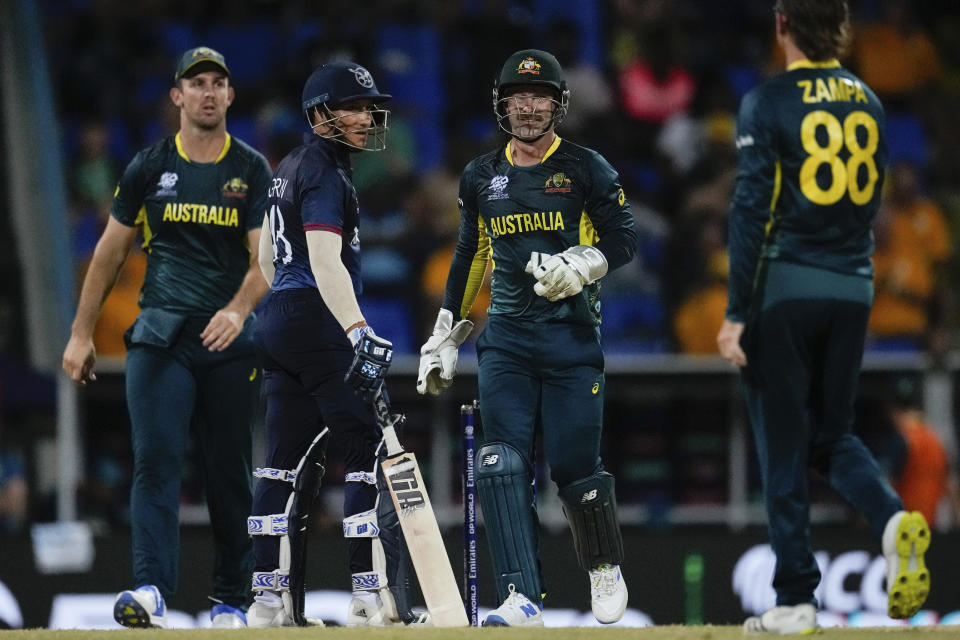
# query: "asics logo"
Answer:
x=489 y=460
x=589 y=495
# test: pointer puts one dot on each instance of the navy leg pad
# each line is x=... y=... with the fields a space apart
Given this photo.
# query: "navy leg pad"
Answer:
x=591 y=509
x=509 y=515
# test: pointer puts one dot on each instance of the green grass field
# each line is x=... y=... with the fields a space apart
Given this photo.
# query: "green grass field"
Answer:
x=707 y=632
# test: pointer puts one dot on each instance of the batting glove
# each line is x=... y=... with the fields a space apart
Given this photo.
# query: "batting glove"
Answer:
x=438 y=355
x=371 y=359
x=562 y=275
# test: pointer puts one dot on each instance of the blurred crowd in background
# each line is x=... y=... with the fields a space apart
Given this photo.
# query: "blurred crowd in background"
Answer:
x=655 y=87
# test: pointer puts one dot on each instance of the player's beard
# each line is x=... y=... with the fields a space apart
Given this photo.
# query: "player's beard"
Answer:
x=208 y=121
x=530 y=127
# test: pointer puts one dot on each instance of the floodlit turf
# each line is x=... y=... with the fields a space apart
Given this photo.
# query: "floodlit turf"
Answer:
x=707 y=632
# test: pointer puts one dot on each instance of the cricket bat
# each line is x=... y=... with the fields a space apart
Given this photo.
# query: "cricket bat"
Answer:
x=419 y=525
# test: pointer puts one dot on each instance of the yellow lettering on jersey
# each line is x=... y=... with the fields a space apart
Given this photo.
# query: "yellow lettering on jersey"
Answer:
x=861 y=95
x=823 y=93
x=514 y=223
x=833 y=90
x=201 y=214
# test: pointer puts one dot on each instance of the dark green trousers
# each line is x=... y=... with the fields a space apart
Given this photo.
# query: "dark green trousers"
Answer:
x=804 y=346
x=175 y=385
x=543 y=375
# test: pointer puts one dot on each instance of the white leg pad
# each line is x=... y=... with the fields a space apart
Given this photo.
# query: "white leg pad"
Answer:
x=275 y=474
x=368 y=581
x=361 y=476
x=277 y=580
x=361 y=525
x=271 y=525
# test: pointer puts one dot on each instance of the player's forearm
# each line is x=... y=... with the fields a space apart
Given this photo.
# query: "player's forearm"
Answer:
x=333 y=279
x=618 y=245
x=336 y=289
x=265 y=254
x=102 y=275
x=254 y=286
x=467 y=269
x=250 y=293
x=745 y=239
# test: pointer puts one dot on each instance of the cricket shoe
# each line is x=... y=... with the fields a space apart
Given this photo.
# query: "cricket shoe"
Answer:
x=784 y=620
x=223 y=616
x=142 y=607
x=411 y=618
x=369 y=609
x=608 y=593
x=267 y=611
x=905 y=539
x=516 y=611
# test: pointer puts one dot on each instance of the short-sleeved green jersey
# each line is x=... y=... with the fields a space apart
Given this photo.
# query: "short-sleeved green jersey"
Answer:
x=573 y=196
x=811 y=162
x=194 y=217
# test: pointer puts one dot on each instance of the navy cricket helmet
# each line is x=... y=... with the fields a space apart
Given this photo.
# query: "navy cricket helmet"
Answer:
x=338 y=83
x=531 y=67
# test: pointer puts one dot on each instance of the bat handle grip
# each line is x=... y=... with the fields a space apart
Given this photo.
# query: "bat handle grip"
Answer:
x=391 y=441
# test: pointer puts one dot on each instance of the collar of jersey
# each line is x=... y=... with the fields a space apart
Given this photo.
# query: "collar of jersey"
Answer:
x=553 y=147
x=183 y=154
x=811 y=64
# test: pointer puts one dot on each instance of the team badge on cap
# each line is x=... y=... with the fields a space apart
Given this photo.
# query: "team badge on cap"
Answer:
x=529 y=65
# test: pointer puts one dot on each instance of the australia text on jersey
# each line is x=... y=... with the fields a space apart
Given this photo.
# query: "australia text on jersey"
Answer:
x=524 y=222
x=201 y=214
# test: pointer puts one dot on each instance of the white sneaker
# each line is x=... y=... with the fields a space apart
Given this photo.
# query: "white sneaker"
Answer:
x=142 y=607
x=516 y=611
x=223 y=616
x=368 y=609
x=608 y=593
x=905 y=539
x=800 y=618
x=267 y=611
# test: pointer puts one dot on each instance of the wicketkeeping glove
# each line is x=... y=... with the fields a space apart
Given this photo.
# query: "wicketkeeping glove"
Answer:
x=438 y=356
x=563 y=274
x=372 y=357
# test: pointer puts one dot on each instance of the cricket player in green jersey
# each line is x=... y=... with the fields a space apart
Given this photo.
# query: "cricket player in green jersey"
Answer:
x=552 y=218
x=812 y=155
x=198 y=198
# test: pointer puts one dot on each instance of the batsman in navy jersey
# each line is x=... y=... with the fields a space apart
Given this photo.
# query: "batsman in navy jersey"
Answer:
x=315 y=345
x=812 y=156
x=552 y=219
x=198 y=199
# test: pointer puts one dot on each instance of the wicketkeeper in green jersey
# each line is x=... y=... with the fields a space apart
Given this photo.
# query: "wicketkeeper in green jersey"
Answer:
x=552 y=218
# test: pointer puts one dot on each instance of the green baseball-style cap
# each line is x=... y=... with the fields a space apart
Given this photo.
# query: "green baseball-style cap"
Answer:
x=196 y=56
